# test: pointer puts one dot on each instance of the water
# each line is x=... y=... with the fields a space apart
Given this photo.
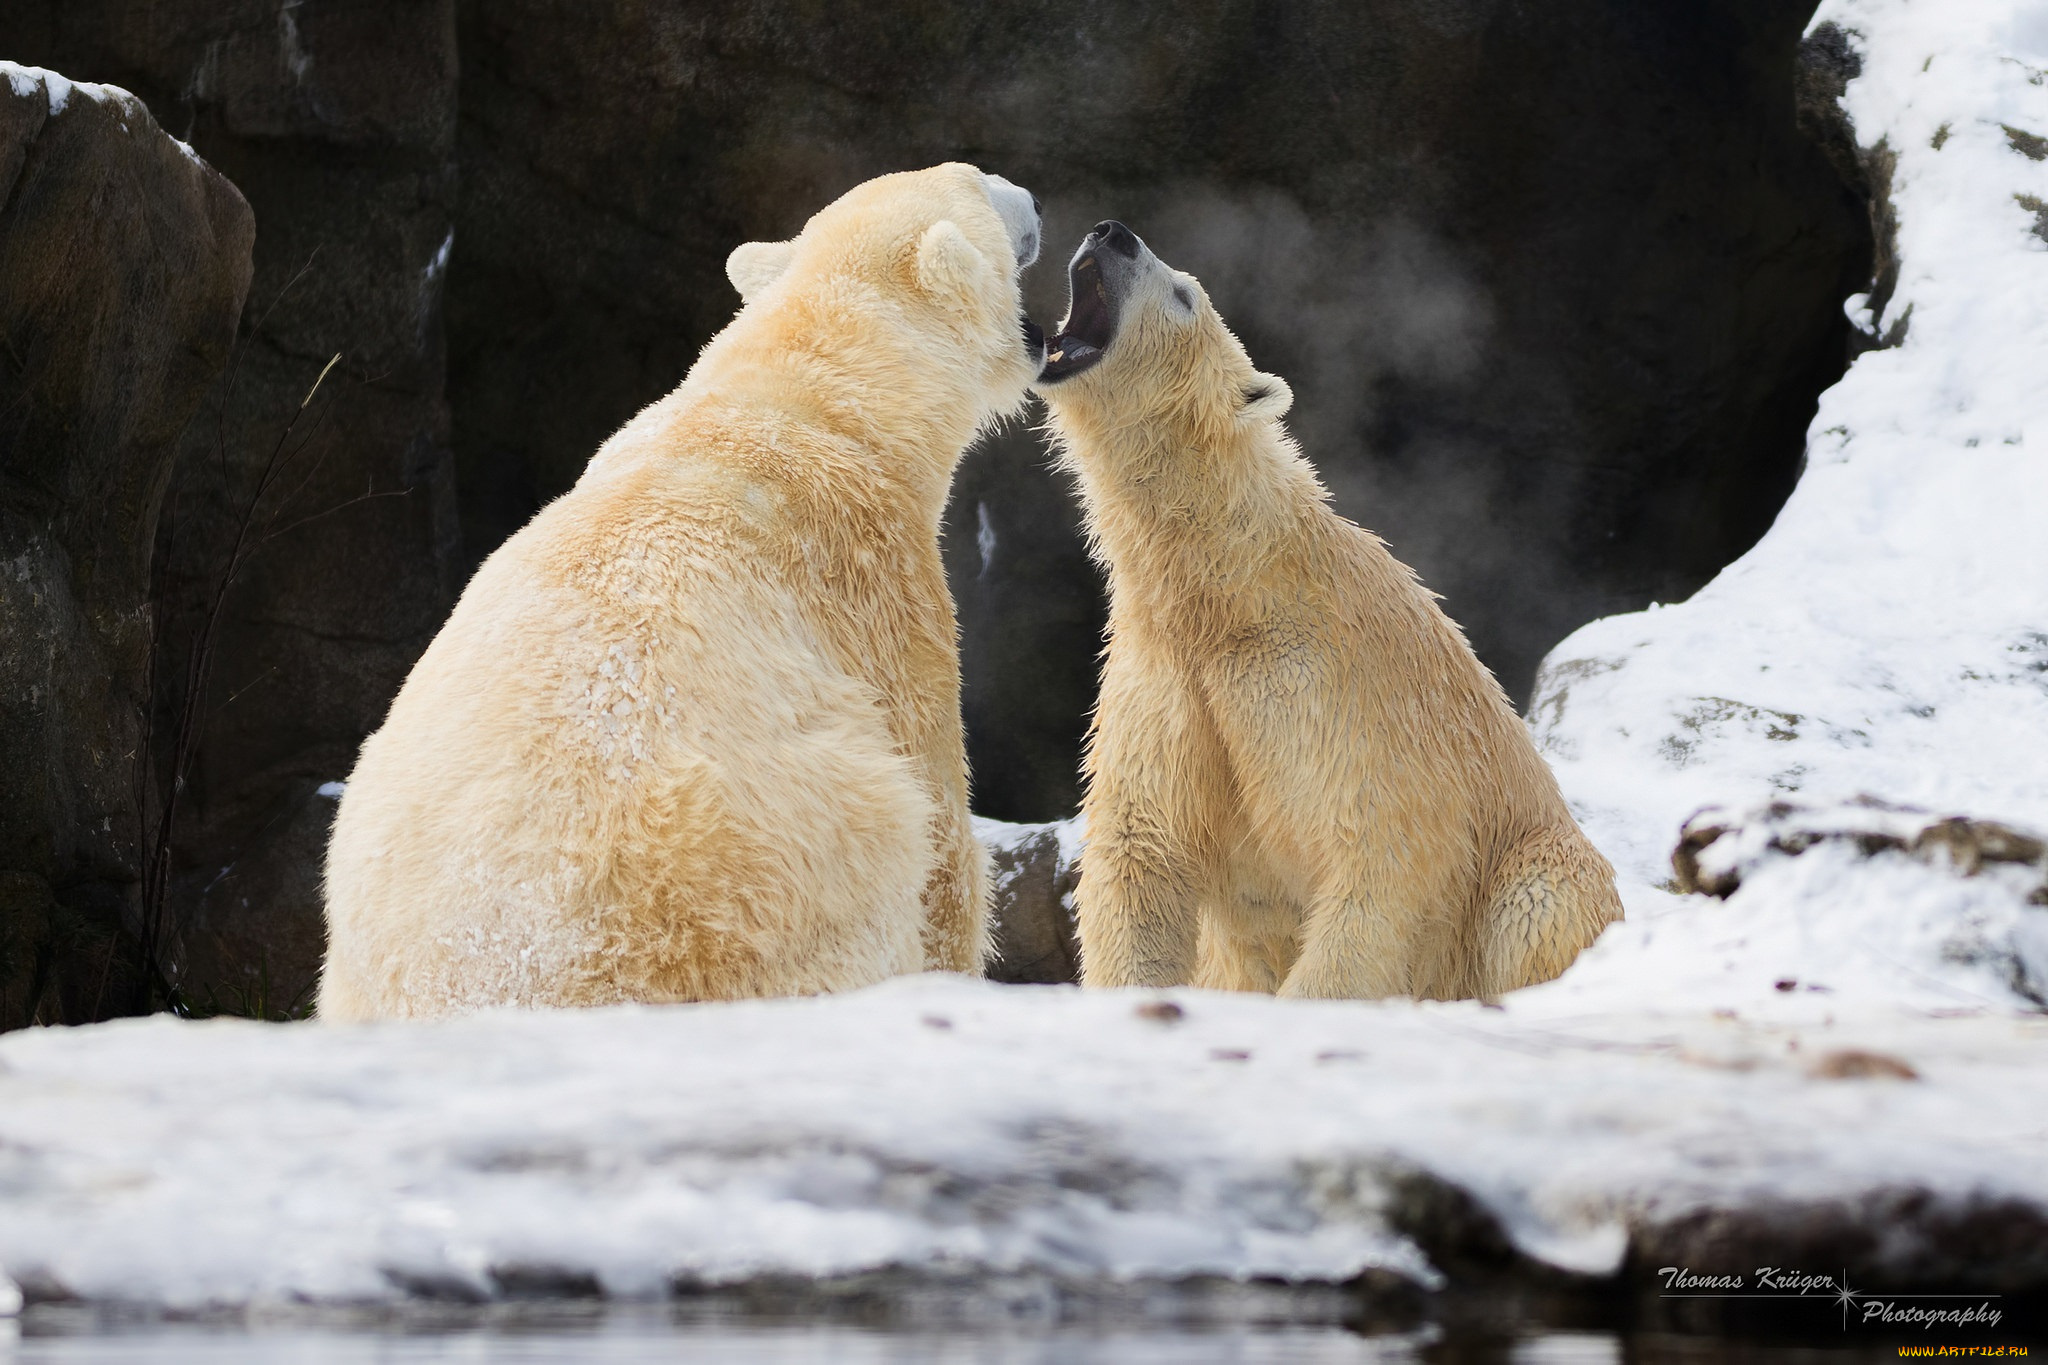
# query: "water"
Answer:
x=629 y=1338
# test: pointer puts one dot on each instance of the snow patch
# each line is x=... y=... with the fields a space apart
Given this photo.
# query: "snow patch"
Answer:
x=438 y=262
x=984 y=537
x=1888 y=637
x=26 y=80
x=1039 y=1130
x=291 y=51
x=429 y=290
x=1000 y=836
x=58 y=89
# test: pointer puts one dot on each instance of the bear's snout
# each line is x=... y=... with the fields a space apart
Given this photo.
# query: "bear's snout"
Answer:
x=1118 y=238
x=1111 y=262
x=1021 y=215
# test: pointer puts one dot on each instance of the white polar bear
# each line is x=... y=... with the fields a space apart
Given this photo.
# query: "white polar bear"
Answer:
x=694 y=732
x=1300 y=777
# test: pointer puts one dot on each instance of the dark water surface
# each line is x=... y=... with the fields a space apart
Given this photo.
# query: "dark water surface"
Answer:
x=627 y=1338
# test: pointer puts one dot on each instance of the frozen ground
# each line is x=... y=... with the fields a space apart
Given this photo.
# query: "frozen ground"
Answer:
x=1041 y=1135
x=1856 y=1022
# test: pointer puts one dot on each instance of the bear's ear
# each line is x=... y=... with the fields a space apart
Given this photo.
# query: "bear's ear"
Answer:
x=1266 y=396
x=753 y=266
x=948 y=265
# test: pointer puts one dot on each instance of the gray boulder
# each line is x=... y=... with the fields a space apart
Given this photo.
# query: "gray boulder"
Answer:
x=1035 y=869
x=124 y=261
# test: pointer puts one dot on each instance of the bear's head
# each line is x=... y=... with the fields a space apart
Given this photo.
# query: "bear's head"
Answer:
x=918 y=272
x=1144 y=357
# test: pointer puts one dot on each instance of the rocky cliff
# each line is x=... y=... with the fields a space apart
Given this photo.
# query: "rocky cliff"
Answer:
x=124 y=261
x=337 y=122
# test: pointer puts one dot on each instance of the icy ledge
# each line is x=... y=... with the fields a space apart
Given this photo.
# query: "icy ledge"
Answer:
x=959 y=1128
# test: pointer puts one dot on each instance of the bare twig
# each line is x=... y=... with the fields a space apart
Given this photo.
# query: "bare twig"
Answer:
x=330 y=511
x=158 y=804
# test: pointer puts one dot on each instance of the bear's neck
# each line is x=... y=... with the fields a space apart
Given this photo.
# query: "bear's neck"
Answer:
x=1217 y=532
x=866 y=406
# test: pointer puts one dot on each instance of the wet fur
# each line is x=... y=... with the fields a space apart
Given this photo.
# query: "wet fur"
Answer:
x=1300 y=777
x=694 y=732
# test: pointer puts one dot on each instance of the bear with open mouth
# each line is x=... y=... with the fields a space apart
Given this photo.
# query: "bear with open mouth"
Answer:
x=1300 y=778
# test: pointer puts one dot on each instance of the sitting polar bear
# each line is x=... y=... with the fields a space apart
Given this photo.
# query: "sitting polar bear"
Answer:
x=1300 y=778
x=694 y=733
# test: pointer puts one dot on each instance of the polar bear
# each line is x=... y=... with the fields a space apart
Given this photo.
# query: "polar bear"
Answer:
x=1300 y=778
x=694 y=732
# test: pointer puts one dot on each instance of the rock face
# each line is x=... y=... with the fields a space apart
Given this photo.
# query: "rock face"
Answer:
x=1556 y=286
x=338 y=124
x=124 y=261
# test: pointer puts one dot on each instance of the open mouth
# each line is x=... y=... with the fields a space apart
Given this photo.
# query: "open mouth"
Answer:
x=1090 y=324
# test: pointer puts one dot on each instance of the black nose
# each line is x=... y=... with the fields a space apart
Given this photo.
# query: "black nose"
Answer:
x=1037 y=207
x=1117 y=238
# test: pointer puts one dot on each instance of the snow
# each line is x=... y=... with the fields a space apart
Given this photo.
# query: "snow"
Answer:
x=27 y=79
x=438 y=262
x=1845 y=931
x=938 y=1122
x=1889 y=635
x=1877 y=664
x=984 y=537
x=999 y=835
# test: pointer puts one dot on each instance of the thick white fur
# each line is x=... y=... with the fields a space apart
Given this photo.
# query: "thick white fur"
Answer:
x=1300 y=778
x=694 y=732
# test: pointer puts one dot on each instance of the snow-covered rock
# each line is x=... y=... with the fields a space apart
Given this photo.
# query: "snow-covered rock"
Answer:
x=1889 y=635
x=1034 y=870
x=1823 y=912
x=124 y=264
x=1886 y=643
x=947 y=1126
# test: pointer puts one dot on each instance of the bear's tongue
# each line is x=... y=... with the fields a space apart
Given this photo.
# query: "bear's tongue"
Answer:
x=1090 y=325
